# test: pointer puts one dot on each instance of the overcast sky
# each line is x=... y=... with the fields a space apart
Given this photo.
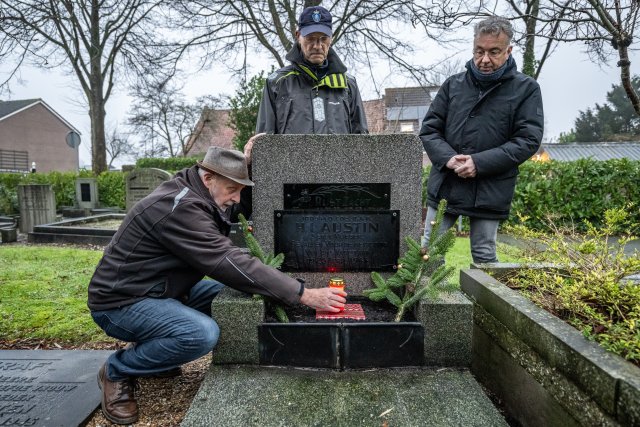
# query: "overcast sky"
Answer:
x=569 y=83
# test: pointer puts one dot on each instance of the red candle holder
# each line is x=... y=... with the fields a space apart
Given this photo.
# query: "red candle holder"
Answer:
x=337 y=283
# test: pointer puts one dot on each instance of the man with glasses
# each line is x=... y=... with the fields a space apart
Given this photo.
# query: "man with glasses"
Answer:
x=481 y=126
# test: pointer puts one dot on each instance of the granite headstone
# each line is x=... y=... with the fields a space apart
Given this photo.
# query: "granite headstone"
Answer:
x=141 y=182
x=344 y=202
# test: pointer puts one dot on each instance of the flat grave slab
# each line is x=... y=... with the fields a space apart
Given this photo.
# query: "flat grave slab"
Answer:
x=235 y=395
x=49 y=387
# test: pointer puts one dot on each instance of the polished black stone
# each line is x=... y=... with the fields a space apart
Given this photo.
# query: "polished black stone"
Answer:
x=337 y=196
x=337 y=241
x=342 y=345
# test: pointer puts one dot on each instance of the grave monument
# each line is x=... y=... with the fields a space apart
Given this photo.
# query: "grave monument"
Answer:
x=141 y=182
x=37 y=205
x=340 y=205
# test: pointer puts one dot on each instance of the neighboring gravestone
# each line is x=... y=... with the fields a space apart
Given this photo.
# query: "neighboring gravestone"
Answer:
x=141 y=182
x=86 y=193
x=37 y=205
x=49 y=387
x=337 y=204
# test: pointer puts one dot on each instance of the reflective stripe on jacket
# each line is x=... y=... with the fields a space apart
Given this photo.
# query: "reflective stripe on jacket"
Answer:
x=287 y=105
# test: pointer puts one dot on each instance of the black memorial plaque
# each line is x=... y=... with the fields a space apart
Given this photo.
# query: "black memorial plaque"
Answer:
x=85 y=192
x=336 y=241
x=337 y=196
x=49 y=387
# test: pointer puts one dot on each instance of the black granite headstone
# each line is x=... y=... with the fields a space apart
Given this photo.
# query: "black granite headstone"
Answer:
x=49 y=387
x=335 y=241
x=337 y=196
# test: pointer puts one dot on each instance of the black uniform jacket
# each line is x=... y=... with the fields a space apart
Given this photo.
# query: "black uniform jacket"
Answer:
x=287 y=102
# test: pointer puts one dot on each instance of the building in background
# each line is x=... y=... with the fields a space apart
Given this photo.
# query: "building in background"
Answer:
x=211 y=130
x=400 y=110
x=32 y=132
x=593 y=150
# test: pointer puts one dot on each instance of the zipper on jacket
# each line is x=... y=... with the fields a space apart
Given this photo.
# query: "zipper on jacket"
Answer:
x=483 y=95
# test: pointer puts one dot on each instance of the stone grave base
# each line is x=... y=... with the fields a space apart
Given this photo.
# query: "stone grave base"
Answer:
x=236 y=395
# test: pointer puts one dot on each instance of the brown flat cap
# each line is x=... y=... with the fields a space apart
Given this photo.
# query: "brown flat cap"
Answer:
x=228 y=163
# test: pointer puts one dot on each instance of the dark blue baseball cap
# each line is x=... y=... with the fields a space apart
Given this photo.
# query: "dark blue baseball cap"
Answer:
x=315 y=19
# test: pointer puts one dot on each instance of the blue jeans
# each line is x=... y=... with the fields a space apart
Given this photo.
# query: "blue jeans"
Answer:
x=483 y=234
x=166 y=332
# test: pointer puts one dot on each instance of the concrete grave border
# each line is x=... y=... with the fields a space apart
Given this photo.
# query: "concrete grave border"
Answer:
x=544 y=370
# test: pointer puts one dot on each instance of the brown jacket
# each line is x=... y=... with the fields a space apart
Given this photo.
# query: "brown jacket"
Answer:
x=169 y=241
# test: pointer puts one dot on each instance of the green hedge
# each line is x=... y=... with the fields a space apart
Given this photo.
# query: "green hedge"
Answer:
x=111 y=190
x=573 y=192
x=170 y=164
x=570 y=191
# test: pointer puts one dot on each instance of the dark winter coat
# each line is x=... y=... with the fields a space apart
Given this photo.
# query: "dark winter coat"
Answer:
x=287 y=101
x=500 y=124
x=169 y=241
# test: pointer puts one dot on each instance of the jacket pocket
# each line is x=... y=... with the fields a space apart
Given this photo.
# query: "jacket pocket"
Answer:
x=496 y=193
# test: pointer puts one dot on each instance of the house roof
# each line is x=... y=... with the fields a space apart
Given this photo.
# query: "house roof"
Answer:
x=10 y=108
x=408 y=96
x=596 y=151
x=407 y=103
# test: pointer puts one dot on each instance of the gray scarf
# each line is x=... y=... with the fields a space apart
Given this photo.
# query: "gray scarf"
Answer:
x=491 y=77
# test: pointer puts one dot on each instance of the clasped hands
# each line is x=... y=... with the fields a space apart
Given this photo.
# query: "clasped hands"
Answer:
x=462 y=165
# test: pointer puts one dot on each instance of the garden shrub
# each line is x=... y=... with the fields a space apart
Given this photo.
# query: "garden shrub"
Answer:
x=586 y=285
x=576 y=192
x=171 y=164
x=111 y=189
x=573 y=192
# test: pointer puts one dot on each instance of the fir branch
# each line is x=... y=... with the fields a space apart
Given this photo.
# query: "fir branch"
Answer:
x=405 y=288
x=267 y=259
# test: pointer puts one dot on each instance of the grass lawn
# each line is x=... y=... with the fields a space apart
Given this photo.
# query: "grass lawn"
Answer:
x=43 y=291
x=43 y=294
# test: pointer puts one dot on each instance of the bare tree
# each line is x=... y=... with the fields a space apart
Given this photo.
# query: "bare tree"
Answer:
x=606 y=27
x=163 y=119
x=91 y=39
x=118 y=146
x=364 y=30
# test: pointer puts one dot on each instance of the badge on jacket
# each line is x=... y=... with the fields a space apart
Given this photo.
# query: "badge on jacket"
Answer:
x=318 y=109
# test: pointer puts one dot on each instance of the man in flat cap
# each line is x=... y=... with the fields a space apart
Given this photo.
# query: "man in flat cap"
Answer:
x=148 y=288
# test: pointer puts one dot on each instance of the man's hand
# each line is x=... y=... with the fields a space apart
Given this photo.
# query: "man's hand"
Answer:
x=464 y=166
x=455 y=162
x=249 y=146
x=326 y=299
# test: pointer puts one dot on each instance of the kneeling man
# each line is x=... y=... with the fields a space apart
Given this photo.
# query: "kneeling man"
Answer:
x=148 y=288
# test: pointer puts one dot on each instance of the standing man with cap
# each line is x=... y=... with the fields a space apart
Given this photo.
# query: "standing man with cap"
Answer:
x=148 y=289
x=312 y=95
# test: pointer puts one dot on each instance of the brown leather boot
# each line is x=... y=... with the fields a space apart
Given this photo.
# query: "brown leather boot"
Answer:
x=118 y=400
